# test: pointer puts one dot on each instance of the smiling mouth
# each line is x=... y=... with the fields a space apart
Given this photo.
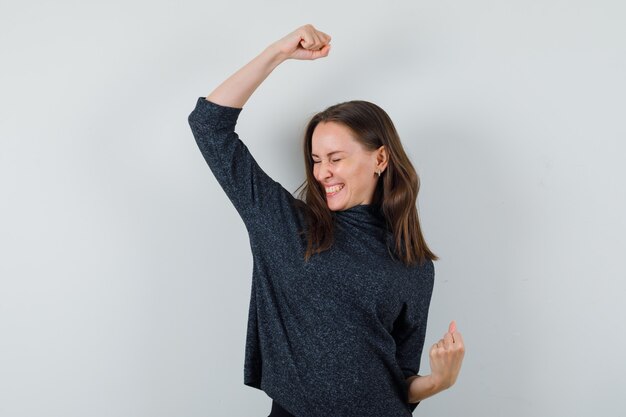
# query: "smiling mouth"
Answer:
x=330 y=191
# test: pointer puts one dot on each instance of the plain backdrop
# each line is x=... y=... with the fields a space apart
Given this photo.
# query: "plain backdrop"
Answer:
x=126 y=272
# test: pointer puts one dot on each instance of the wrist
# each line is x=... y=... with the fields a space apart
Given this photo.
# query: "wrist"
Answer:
x=424 y=386
x=439 y=383
x=274 y=55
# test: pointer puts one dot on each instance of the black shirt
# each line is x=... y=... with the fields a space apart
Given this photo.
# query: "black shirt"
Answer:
x=339 y=334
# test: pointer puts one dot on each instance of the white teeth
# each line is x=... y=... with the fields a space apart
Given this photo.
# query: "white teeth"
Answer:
x=334 y=189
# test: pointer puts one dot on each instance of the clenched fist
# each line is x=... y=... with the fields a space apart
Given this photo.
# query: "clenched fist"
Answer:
x=446 y=356
x=306 y=42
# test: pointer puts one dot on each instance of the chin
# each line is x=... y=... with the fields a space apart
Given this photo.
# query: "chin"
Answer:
x=335 y=206
x=339 y=202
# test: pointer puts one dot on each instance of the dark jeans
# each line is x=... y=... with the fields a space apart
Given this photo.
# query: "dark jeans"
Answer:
x=278 y=411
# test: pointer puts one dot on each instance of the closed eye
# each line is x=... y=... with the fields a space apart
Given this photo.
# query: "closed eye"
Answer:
x=332 y=160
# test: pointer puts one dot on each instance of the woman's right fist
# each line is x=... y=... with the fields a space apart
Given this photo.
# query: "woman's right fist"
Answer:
x=306 y=42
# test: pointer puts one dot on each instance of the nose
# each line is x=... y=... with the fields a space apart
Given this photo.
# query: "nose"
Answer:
x=322 y=170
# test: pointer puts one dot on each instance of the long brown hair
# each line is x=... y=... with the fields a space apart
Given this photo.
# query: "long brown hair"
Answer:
x=395 y=194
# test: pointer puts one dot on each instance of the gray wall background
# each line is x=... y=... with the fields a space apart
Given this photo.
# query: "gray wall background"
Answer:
x=125 y=271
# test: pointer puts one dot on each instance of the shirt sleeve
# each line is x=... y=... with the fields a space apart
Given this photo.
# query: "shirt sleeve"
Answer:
x=255 y=195
x=409 y=329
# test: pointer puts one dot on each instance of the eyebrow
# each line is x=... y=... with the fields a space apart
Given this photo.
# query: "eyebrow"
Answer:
x=330 y=153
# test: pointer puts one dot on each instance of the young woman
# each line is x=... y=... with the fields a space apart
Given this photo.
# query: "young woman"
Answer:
x=342 y=276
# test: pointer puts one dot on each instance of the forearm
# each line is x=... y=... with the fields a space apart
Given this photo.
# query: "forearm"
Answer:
x=237 y=89
x=422 y=386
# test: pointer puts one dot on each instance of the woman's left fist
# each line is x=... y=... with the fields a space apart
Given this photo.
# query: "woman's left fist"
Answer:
x=446 y=357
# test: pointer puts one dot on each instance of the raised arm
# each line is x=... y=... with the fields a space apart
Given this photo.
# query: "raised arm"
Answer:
x=306 y=42
x=256 y=196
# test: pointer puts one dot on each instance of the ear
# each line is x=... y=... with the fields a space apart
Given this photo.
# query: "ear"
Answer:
x=382 y=159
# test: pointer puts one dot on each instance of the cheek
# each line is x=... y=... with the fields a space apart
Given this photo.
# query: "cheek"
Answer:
x=358 y=175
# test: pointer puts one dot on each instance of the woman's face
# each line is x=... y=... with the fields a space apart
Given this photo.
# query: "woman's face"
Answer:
x=343 y=167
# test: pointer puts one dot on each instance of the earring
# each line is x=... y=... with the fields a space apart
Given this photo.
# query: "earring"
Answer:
x=378 y=172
